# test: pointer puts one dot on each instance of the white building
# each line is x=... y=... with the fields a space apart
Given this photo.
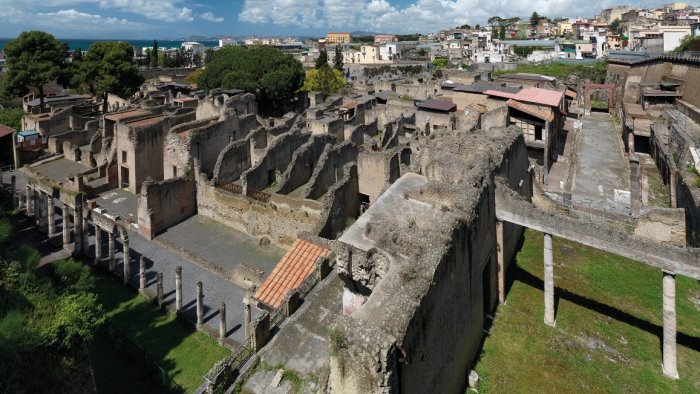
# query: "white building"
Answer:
x=195 y=47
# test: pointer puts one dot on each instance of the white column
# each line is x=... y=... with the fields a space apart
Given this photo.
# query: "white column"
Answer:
x=548 y=281
x=51 y=210
x=65 y=225
x=127 y=262
x=98 y=244
x=669 y=351
x=110 y=242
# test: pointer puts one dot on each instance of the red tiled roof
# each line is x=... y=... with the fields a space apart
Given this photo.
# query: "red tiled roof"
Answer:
x=4 y=130
x=290 y=272
x=532 y=110
x=551 y=98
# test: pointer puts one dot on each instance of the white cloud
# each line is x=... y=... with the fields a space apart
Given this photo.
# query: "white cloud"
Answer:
x=167 y=11
x=419 y=16
x=209 y=16
x=79 y=19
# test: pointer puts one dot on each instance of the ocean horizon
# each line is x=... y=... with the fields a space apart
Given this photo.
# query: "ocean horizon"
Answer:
x=84 y=44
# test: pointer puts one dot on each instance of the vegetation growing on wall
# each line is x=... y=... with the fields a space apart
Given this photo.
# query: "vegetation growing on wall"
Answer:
x=594 y=71
x=11 y=117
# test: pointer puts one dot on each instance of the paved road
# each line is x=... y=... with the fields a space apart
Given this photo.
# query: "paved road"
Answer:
x=600 y=166
x=161 y=259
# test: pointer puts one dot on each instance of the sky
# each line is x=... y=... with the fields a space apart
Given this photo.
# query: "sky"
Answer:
x=148 y=19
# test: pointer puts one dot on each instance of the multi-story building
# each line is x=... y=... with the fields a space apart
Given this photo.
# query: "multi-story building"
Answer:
x=383 y=38
x=338 y=38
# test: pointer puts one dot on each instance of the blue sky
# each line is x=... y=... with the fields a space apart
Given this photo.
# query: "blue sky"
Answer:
x=148 y=19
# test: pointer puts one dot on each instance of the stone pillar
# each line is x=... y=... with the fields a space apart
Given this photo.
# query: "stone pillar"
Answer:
x=127 y=261
x=98 y=245
x=142 y=274
x=178 y=289
x=30 y=198
x=13 y=186
x=261 y=331
x=291 y=302
x=669 y=350
x=159 y=289
x=500 y=263
x=246 y=316
x=40 y=211
x=110 y=246
x=323 y=267
x=66 y=231
x=51 y=212
x=200 y=304
x=86 y=235
x=222 y=322
x=78 y=228
x=672 y=186
x=635 y=189
x=548 y=281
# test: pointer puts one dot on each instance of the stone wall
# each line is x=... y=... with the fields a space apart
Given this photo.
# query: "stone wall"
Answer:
x=232 y=161
x=662 y=225
x=341 y=205
x=497 y=117
x=303 y=162
x=49 y=124
x=219 y=104
x=280 y=219
x=163 y=204
x=376 y=171
x=329 y=169
x=688 y=198
x=75 y=137
x=276 y=159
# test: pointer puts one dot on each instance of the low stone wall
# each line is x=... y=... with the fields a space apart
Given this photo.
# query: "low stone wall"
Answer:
x=233 y=160
x=163 y=204
x=688 y=198
x=281 y=218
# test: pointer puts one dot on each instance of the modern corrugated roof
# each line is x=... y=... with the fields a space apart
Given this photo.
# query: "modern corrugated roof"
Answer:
x=290 y=272
x=437 y=105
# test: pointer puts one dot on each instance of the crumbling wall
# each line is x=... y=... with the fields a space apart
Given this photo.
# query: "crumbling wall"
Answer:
x=280 y=219
x=341 y=205
x=163 y=204
x=75 y=137
x=303 y=162
x=329 y=168
x=662 y=225
x=276 y=158
x=688 y=198
x=376 y=171
x=232 y=161
x=361 y=133
x=497 y=117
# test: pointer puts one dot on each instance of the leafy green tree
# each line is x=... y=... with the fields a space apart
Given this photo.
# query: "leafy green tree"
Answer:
x=11 y=117
x=502 y=33
x=78 y=56
x=34 y=59
x=148 y=56
x=325 y=79
x=154 y=54
x=273 y=76
x=162 y=59
x=687 y=43
x=194 y=77
x=441 y=63
x=534 y=19
x=108 y=68
x=338 y=60
x=615 y=26
x=208 y=54
x=322 y=59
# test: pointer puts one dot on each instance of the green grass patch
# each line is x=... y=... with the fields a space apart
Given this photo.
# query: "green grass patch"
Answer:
x=608 y=332
x=596 y=72
x=186 y=354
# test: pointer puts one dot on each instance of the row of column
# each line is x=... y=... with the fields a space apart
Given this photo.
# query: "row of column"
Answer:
x=669 y=357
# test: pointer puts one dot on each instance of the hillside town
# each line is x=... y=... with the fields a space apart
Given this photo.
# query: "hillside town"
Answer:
x=510 y=206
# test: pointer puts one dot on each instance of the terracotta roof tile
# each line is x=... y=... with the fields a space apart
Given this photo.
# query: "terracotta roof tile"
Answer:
x=290 y=272
x=544 y=114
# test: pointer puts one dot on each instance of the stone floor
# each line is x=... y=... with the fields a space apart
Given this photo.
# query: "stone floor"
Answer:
x=601 y=171
x=58 y=169
x=119 y=202
x=222 y=245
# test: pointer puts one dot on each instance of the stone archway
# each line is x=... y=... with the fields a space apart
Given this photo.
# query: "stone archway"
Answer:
x=590 y=88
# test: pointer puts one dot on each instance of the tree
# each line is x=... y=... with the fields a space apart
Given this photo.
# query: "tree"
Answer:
x=78 y=56
x=322 y=59
x=534 y=19
x=325 y=80
x=273 y=76
x=208 y=54
x=149 y=56
x=687 y=44
x=34 y=59
x=108 y=68
x=154 y=54
x=615 y=26
x=502 y=33
x=338 y=60
x=477 y=27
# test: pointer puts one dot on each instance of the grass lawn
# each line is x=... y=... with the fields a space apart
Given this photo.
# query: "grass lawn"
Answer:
x=608 y=327
x=186 y=354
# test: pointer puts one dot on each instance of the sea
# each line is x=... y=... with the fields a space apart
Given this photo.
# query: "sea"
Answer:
x=84 y=44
